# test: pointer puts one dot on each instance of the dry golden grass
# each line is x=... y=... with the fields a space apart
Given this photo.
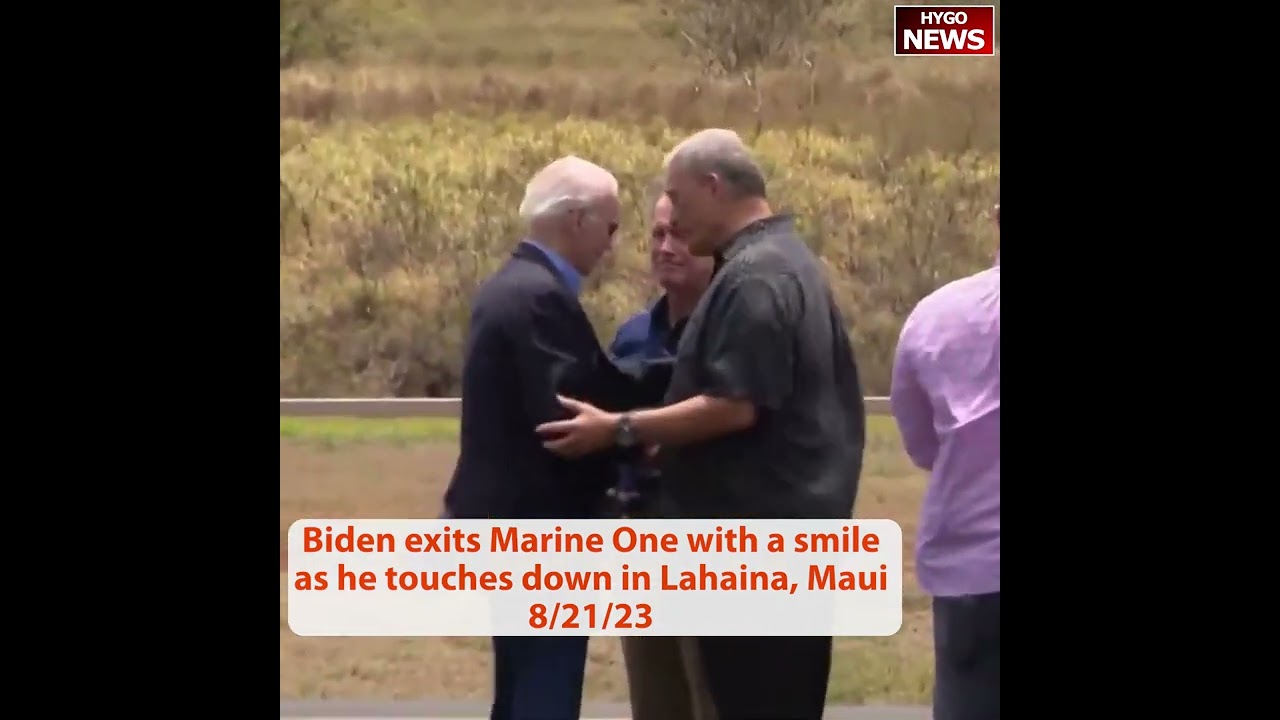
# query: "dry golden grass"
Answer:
x=386 y=230
x=545 y=34
x=409 y=127
x=626 y=61
x=905 y=105
x=334 y=469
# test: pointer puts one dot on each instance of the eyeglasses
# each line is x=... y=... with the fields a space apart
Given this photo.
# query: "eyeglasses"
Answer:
x=585 y=214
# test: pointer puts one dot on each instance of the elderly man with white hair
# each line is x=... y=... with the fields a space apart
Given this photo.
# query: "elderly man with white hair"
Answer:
x=764 y=415
x=530 y=339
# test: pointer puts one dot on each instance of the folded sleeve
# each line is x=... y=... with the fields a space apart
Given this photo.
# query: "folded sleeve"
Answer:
x=751 y=341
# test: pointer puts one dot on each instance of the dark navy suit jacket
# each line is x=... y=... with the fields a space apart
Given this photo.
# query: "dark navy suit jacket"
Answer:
x=528 y=340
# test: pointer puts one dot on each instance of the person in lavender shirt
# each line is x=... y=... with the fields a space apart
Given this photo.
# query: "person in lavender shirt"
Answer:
x=945 y=397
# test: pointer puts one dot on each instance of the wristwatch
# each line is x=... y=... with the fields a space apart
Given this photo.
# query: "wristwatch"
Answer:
x=625 y=432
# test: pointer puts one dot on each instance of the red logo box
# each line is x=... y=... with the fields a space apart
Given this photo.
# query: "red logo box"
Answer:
x=933 y=30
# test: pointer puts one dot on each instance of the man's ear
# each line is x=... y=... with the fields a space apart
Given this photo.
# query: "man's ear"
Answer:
x=715 y=183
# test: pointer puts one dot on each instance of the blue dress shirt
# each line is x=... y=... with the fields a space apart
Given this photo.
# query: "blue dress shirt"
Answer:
x=567 y=272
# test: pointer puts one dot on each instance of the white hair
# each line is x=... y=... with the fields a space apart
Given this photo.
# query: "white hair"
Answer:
x=566 y=184
x=722 y=152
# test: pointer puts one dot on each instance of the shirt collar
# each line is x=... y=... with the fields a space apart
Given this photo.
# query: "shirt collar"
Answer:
x=568 y=273
x=658 y=312
x=749 y=234
x=662 y=333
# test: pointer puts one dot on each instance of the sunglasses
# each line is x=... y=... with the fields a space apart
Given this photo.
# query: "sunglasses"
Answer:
x=585 y=215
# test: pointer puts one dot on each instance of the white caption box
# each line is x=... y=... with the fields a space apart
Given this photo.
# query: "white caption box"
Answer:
x=595 y=577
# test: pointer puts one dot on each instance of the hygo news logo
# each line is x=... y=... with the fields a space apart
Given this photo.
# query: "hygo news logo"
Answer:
x=944 y=30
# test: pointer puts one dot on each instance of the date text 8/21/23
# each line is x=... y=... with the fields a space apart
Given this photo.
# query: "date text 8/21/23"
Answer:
x=570 y=616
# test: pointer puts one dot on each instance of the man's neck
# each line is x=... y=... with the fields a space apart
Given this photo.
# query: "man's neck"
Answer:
x=549 y=242
x=558 y=246
x=751 y=211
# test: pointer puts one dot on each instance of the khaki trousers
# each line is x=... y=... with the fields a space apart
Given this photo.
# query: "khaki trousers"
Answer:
x=666 y=679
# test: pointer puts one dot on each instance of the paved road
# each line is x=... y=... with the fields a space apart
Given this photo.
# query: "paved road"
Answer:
x=469 y=710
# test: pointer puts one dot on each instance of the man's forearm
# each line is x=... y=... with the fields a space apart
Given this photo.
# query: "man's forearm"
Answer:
x=694 y=420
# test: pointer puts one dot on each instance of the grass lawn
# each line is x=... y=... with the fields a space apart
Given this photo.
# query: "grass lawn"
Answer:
x=399 y=468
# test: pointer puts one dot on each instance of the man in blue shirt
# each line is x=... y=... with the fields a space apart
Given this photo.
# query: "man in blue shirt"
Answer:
x=663 y=673
x=654 y=333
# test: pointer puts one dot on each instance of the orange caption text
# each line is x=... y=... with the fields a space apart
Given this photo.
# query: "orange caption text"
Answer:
x=590 y=616
x=738 y=576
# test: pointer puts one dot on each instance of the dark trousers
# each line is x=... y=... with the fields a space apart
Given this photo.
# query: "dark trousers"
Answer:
x=966 y=649
x=538 y=678
x=767 y=677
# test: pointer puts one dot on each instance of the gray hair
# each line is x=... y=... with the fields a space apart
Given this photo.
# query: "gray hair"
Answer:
x=723 y=153
x=569 y=183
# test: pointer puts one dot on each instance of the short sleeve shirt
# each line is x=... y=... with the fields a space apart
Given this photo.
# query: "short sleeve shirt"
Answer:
x=767 y=330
